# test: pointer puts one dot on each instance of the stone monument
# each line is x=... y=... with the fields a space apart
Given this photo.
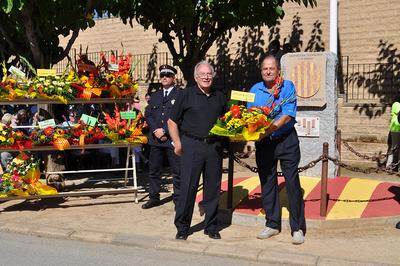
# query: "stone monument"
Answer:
x=314 y=75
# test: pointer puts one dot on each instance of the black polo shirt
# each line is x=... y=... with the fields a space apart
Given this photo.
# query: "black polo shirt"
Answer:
x=196 y=113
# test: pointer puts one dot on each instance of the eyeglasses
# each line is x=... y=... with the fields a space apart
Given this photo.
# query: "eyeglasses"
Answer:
x=205 y=75
x=166 y=75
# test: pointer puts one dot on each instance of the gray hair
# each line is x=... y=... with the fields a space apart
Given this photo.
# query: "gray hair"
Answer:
x=270 y=56
x=7 y=118
x=204 y=62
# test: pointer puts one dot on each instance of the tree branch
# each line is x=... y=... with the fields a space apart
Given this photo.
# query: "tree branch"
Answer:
x=7 y=37
x=67 y=48
x=31 y=37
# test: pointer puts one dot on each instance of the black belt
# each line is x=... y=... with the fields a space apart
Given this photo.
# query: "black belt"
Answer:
x=205 y=139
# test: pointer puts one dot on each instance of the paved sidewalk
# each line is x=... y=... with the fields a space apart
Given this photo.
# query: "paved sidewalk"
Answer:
x=116 y=219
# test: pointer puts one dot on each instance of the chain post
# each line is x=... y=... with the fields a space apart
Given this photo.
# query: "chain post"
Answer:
x=339 y=147
x=324 y=180
x=230 y=176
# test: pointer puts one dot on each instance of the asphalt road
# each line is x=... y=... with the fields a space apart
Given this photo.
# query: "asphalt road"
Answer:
x=19 y=249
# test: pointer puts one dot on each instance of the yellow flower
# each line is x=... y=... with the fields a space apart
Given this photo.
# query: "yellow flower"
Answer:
x=110 y=78
x=2 y=139
x=71 y=76
x=125 y=78
x=12 y=140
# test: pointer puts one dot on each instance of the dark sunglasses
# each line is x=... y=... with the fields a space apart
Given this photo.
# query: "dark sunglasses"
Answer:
x=166 y=75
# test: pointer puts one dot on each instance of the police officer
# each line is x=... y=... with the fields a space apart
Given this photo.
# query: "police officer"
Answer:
x=157 y=114
x=281 y=143
x=196 y=111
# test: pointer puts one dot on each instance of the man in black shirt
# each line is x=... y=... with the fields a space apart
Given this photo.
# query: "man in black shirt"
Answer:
x=196 y=110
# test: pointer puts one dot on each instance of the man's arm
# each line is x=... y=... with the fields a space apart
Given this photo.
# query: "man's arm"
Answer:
x=281 y=122
x=174 y=133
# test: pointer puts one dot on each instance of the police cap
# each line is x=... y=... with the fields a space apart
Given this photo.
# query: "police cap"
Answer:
x=167 y=69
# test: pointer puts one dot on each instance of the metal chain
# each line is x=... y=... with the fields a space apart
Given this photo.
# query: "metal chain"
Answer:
x=310 y=164
x=336 y=162
x=366 y=170
x=255 y=169
x=366 y=200
x=244 y=164
x=377 y=158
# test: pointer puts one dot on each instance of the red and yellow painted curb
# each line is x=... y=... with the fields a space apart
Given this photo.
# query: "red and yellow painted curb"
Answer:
x=349 y=198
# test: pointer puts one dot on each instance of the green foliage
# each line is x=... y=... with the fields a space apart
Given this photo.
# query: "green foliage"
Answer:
x=190 y=27
x=32 y=28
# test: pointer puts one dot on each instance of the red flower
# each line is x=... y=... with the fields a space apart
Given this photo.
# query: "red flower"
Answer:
x=266 y=110
x=48 y=131
x=235 y=110
x=276 y=93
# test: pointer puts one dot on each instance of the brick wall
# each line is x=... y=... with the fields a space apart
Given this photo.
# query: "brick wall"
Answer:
x=368 y=31
x=362 y=24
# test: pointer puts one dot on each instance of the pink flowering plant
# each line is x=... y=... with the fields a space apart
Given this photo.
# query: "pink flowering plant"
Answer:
x=16 y=172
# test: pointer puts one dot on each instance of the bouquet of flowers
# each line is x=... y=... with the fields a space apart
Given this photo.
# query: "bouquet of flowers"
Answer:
x=119 y=130
x=240 y=123
x=21 y=178
x=44 y=136
x=121 y=82
x=82 y=133
x=51 y=87
x=11 y=88
x=6 y=135
x=88 y=81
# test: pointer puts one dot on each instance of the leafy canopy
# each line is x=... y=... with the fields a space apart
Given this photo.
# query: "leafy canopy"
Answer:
x=32 y=28
x=190 y=27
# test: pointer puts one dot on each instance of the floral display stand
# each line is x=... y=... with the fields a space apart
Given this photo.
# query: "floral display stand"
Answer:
x=109 y=81
x=126 y=169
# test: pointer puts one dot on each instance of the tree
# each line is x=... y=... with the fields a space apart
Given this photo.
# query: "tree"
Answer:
x=31 y=28
x=190 y=27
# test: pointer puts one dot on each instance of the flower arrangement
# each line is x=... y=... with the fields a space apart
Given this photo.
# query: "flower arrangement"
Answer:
x=119 y=130
x=51 y=87
x=21 y=178
x=82 y=133
x=240 y=123
x=6 y=135
x=121 y=82
x=10 y=88
x=102 y=81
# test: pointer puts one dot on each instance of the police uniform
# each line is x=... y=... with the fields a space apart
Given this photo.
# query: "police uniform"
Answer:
x=196 y=113
x=282 y=145
x=157 y=114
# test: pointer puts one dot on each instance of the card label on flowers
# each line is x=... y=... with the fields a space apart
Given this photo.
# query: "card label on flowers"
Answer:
x=47 y=123
x=17 y=72
x=113 y=67
x=242 y=96
x=128 y=115
x=90 y=120
x=41 y=72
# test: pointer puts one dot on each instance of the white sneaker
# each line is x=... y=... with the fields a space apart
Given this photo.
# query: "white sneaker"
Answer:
x=298 y=237
x=267 y=232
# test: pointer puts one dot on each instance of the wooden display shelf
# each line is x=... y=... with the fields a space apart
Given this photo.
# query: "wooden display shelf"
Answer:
x=75 y=147
x=75 y=101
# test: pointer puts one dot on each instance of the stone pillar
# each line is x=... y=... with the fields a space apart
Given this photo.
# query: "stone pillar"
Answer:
x=314 y=75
